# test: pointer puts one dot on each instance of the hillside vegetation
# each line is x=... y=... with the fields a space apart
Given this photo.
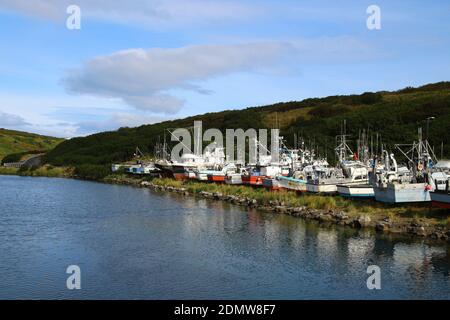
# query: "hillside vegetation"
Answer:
x=394 y=115
x=18 y=142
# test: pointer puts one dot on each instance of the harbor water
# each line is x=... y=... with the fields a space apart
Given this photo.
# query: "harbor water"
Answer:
x=135 y=243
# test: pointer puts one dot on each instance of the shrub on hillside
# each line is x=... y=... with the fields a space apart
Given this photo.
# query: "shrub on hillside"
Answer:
x=92 y=172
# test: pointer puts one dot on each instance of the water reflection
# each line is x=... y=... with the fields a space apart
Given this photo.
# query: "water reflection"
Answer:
x=136 y=243
x=412 y=262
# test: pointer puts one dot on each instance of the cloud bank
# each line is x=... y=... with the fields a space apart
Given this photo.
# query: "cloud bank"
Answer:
x=11 y=120
x=142 y=78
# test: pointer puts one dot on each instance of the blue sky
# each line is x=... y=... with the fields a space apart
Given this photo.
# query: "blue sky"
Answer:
x=137 y=62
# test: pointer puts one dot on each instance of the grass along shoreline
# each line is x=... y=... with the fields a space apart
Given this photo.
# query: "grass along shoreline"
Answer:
x=44 y=171
x=415 y=219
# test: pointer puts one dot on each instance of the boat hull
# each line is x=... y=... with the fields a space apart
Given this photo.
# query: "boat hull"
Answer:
x=440 y=200
x=271 y=184
x=234 y=179
x=292 y=184
x=321 y=188
x=252 y=180
x=402 y=193
x=200 y=176
x=172 y=171
x=216 y=178
x=356 y=191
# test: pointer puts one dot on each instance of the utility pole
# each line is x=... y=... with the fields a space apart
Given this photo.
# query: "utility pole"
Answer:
x=428 y=126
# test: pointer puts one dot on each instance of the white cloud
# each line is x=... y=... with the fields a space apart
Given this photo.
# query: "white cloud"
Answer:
x=11 y=120
x=153 y=13
x=142 y=78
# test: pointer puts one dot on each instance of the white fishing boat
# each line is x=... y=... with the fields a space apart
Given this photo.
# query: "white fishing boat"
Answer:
x=216 y=174
x=182 y=169
x=289 y=173
x=401 y=184
x=189 y=164
x=398 y=185
x=348 y=172
x=402 y=193
x=325 y=179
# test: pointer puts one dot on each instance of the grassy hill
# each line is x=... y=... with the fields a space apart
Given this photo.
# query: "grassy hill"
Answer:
x=394 y=115
x=12 y=142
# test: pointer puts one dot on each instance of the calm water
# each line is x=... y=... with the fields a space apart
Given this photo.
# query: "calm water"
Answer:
x=134 y=243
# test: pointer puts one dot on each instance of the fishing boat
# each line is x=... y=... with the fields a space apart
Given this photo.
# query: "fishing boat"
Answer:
x=402 y=193
x=402 y=184
x=356 y=181
x=325 y=179
x=350 y=171
x=395 y=184
x=183 y=169
x=264 y=168
x=256 y=175
x=138 y=169
x=190 y=164
x=218 y=175
x=265 y=171
x=252 y=177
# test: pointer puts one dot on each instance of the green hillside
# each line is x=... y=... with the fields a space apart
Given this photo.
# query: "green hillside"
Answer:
x=12 y=141
x=394 y=115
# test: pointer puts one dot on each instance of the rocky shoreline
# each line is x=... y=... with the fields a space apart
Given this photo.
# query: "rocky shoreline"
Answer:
x=337 y=217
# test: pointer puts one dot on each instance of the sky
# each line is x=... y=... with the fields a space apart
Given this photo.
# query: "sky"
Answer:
x=143 y=61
